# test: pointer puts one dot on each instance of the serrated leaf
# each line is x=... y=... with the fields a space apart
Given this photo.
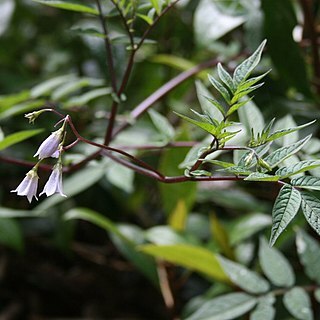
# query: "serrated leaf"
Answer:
x=210 y=128
x=245 y=92
x=302 y=166
x=17 y=137
x=275 y=265
x=243 y=71
x=191 y=257
x=225 y=77
x=162 y=124
x=220 y=88
x=311 y=210
x=244 y=278
x=226 y=307
x=284 y=210
x=237 y=106
x=68 y=6
x=250 y=82
x=307 y=182
x=258 y=176
x=280 y=133
x=283 y=153
x=309 y=255
x=298 y=303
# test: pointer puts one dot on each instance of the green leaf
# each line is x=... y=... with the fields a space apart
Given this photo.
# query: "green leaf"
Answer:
x=220 y=88
x=178 y=217
x=243 y=71
x=280 y=133
x=238 y=95
x=68 y=6
x=250 y=82
x=209 y=105
x=258 y=176
x=7 y=101
x=302 y=166
x=225 y=77
x=157 y=5
x=190 y=257
x=11 y=234
x=309 y=255
x=87 y=97
x=284 y=210
x=283 y=153
x=164 y=235
x=17 y=137
x=226 y=307
x=307 y=182
x=275 y=265
x=237 y=170
x=237 y=106
x=75 y=184
x=162 y=124
x=146 y=18
x=247 y=226
x=124 y=241
x=298 y=303
x=311 y=210
x=264 y=310
x=210 y=128
x=285 y=123
x=317 y=295
x=244 y=278
x=46 y=87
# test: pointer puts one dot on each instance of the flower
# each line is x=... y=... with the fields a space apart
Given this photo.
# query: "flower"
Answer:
x=28 y=186
x=54 y=183
x=49 y=147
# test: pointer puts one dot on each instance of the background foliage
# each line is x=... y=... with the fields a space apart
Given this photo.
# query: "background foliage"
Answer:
x=164 y=251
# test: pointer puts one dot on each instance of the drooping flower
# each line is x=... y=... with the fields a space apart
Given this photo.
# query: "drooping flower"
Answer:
x=49 y=147
x=29 y=185
x=54 y=183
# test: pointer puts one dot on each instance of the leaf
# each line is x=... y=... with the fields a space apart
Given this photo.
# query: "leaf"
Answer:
x=302 y=166
x=283 y=153
x=191 y=257
x=309 y=255
x=243 y=71
x=247 y=226
x=46 y=87
x=178 y=217
x=124 y=242
x=157 y=5
x=146 y=18
x=75 y=184
x=244 y=278
x=226 y=307
x=258 y=176
x=284 y=210
x=264 y=310
x=13 y=213
x=298 y=303
x=68 y=6
x=251 y=117
x=225 y=77
x=17 y=137
x=209 y=105
x=311 y=210
x=162 y=124
x=7 y=101
x=280 y=133
x=87 y=97
x=237 y=170
x=164 y=235
x=220 y=88
x=237 y=106
x=250 y=82
x=307 y=182
x=275 y=265
x=285 y=123
x=210 y=128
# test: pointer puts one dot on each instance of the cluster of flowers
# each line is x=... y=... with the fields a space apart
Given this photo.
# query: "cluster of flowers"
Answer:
x=51 y=147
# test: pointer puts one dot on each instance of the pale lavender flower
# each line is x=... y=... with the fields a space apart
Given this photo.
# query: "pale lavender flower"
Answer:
x=29 y=185
x=54 y=183
x=49 y=147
